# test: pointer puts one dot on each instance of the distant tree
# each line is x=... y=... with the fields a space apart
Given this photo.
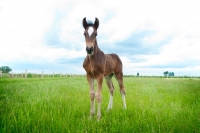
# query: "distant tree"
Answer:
x=5 y=69
x=171 y=73
x=138 y=74
x=165 y=73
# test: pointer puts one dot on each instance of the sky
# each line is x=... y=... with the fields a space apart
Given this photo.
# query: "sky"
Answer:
x=150 y=36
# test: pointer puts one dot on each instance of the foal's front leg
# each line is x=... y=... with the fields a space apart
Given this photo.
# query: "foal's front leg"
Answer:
x=98 y=95
x=92 y=95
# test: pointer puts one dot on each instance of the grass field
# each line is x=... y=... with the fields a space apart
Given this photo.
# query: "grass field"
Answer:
x=63 y=104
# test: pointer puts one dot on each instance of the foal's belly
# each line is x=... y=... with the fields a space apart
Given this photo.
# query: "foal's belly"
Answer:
x=109 y=67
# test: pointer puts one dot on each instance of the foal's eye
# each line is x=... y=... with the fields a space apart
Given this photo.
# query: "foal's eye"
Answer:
x=84 y=34
x=95 y=34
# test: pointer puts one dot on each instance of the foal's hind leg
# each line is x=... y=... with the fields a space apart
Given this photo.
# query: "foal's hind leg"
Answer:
x=119 y=77
x=111 y=89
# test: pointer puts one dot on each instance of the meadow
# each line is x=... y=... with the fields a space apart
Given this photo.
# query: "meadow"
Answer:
x=63 y=104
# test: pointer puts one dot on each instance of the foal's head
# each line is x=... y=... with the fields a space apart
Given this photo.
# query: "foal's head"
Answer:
x=90 y=34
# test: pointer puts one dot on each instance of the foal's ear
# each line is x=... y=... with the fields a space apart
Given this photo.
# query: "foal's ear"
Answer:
x=96 y=23
x=84 y=23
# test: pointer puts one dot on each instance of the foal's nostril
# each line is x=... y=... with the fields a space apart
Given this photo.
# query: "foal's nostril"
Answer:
x=89 y=50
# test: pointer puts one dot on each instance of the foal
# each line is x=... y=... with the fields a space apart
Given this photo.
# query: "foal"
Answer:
x=98 y=65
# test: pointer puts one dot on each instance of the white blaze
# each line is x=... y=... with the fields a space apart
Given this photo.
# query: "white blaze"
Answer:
x=90 y=31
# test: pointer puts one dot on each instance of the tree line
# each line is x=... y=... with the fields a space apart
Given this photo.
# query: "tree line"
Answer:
x=166 y=73
x=5 y=69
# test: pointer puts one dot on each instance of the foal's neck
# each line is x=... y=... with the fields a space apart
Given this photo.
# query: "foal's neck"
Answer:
x=96 y=53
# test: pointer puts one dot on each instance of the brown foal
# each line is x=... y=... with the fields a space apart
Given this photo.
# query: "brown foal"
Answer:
x=99 y=65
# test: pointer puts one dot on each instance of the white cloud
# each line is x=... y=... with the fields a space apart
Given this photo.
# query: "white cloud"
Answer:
x=24 y=24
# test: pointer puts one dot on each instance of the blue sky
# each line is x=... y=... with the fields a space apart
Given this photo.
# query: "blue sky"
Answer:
x=149 y=36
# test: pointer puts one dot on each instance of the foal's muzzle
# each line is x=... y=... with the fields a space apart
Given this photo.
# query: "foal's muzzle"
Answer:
x=89 y=50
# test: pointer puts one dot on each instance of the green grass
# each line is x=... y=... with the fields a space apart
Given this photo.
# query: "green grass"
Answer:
x=63 y=104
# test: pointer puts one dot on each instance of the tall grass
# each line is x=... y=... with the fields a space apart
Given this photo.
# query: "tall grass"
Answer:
x=63 y=104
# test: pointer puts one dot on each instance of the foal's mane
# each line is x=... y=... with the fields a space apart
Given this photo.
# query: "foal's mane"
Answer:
x=90 y=23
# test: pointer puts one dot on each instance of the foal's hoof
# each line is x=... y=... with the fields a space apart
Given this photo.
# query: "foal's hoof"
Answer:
x=90 y=117
x=98 y=117
x=108 y=110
